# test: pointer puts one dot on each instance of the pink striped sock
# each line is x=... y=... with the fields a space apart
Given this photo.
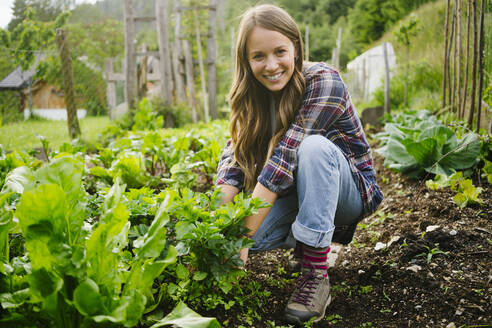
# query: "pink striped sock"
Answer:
x=315 y=258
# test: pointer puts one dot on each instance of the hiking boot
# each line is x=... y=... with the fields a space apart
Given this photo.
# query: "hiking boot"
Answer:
x=310 y=298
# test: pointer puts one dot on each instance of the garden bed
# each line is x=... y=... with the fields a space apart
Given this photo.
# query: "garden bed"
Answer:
x=409 y=283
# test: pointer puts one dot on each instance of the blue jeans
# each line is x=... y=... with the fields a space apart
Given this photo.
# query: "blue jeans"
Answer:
x=326 y=197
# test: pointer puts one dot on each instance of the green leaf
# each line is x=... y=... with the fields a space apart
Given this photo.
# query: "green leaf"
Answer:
x=182 y=316
x=87 y=298
x=153 y=242
x=465 y=154
x=43 y=218
x=425 y=151
x=67 y=173
x=461 y=200
x=396 y=152
x=199 y=275
x=44 y=283
x=143 y=273
x=182 y=272
x=18 y=179
x=8 y=300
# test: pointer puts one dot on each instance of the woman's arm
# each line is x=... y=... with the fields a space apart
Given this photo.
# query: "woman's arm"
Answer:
x=254 y=221
x=229 y=193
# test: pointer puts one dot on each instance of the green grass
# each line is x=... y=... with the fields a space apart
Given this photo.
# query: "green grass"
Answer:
x=22 y=135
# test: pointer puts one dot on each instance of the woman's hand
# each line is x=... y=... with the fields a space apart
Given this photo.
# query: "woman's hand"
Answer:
x=243 y=254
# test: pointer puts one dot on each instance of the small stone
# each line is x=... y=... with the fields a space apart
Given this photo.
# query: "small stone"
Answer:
x=451 y=325
x=432 y=228
x=379 y=246
x=459 y=310
x=345 y=263
x=453 y=232
x=393 y=239
x=418 y=307
x=361 y=272
x=415 y=268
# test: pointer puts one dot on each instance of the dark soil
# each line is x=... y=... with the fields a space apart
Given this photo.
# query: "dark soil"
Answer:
x=400 y=285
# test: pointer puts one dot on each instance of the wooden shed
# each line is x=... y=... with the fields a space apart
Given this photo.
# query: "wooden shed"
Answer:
x=47 y=100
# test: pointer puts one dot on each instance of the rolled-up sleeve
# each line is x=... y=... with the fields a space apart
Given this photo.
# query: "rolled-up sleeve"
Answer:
x=228 y=172
x=323 y=104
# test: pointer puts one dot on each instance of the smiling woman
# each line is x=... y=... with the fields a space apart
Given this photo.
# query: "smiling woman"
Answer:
x=298 y=144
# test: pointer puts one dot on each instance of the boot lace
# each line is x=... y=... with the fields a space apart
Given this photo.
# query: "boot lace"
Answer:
x=306 y=286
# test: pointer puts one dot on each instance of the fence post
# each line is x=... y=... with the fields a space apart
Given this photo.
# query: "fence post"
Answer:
x=177 y=55
x=212 y=57
x=202 y=72
x=387 y=105
x=130 y=56
x=190 y=80
x=165 y=57
x=110 y=89
x=66 y=62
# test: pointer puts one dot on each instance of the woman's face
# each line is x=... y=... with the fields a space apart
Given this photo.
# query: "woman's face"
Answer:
x=271 y=56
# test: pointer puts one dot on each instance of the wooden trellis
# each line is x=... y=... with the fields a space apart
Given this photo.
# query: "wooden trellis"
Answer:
x=175 y=63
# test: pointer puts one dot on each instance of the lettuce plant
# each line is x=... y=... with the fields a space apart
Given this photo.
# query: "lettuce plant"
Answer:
x=417 y=144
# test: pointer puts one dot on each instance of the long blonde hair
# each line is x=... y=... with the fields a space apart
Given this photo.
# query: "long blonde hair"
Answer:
x=250 y=100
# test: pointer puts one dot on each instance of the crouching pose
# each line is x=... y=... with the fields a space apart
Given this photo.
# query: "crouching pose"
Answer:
x=297 y=143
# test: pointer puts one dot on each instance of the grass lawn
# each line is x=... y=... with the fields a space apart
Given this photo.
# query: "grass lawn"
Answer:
x=22 y=135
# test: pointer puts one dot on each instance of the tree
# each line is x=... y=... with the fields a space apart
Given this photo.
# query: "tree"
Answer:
x=19 y=9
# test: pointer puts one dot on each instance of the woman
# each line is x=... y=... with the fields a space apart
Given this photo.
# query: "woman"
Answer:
x=297 y=143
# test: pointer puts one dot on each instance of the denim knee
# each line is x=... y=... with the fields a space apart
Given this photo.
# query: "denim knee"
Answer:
x=312 y=145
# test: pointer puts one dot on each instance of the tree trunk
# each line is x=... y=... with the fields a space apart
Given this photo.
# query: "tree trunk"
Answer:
x=474 y=66
x=130 y=57
x=68 y=90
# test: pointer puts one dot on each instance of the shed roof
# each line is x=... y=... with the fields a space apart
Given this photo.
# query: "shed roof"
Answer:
x=17 y=79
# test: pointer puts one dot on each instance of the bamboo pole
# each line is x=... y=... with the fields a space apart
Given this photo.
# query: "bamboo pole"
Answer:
x=445 y=71
x=474 y=66
x=459 y=47
x=467 y=61
x=480 y=66
x=455 y=54
x=450 y=76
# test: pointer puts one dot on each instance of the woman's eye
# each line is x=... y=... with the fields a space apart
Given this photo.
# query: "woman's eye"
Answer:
x=257 y=57
x=281 y=51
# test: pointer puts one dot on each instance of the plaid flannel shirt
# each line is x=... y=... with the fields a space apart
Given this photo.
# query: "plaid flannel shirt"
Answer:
x=326 y=110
